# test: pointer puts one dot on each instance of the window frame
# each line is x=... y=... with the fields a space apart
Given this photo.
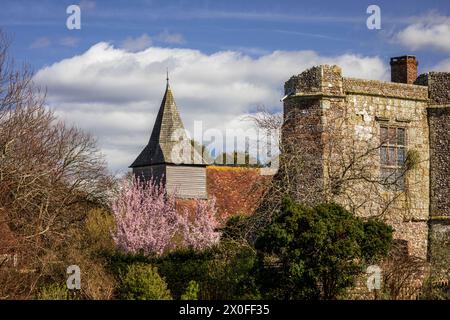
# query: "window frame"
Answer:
x=391 y=181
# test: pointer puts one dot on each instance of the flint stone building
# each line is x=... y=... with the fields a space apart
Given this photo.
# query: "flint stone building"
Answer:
x=409 y=115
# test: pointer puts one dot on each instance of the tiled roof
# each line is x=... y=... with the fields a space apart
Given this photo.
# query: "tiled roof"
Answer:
x=237 y=190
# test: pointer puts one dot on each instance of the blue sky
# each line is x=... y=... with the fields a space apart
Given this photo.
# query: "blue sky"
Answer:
x=254 y=27
x=226 y=58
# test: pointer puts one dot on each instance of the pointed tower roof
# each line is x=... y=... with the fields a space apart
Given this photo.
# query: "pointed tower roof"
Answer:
x=167 y=132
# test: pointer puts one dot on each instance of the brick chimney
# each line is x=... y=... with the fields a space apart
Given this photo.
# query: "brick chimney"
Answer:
x=404 y=69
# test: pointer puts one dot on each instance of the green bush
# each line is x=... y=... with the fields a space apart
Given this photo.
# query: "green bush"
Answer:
x=230 y=273
x=118 y=261
x=377 y=240
x=222 y=272
x=89 y=244
x=54 y=292
x=97 y=231
x=142 y=282
x=181 y=266
x=316 y=253
x=191 y=291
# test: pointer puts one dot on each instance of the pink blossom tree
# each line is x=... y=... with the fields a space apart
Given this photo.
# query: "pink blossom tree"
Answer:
x=147 y=220
x=146 y=217
x=200 y=228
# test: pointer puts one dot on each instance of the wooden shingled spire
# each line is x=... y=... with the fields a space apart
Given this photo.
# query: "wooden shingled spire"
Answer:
x=167 y=132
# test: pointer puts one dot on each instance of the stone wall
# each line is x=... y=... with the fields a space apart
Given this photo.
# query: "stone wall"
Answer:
x=439 y=127
x=385 y=89
x=311 y=93
x=302 y=149
x=438 y=86
x=321 y=98
x=408 y=211
x=308 y=82
x=347 y=114
x=320 y=80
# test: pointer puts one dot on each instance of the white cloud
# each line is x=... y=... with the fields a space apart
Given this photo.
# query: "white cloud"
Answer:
x=170 y=38
x=139 y=43
x=115 y=94
x=431 y=31
x=39 y=43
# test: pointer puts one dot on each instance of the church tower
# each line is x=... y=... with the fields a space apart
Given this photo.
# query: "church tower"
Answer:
x=169 y=155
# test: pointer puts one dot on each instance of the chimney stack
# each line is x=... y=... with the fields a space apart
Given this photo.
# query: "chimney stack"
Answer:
x=404 y=69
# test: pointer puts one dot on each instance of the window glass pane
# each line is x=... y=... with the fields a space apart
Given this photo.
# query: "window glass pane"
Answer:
x=384 y=134
x=383 y=155
x=392 y=176
x=392 y=136
x=400 y=180
x=387 y=176
x=391 y=156
x=401 y=136
x=401 y=156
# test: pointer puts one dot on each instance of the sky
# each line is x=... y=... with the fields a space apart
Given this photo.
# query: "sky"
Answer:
x=225 y=58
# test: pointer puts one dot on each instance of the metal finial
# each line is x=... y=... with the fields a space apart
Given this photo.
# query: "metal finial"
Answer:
x=167 y=78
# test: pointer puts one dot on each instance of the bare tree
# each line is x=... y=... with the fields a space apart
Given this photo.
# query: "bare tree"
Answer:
x=50 y=174
x=403 y=274
x=324 y=159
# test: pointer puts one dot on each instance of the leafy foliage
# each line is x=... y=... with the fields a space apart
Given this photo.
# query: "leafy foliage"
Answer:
x=142 y=282
x=313 y=253
x=97 y=230
x=90 y=243
x=181 y=266
x=230 y=273
x=53 y=292
x=222 y=272
x=191 y=291
x=377 y=240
